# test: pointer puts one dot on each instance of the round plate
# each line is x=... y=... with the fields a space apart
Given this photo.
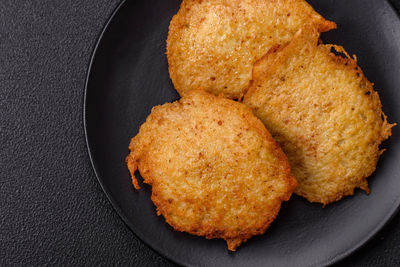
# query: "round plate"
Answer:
x=129 y=75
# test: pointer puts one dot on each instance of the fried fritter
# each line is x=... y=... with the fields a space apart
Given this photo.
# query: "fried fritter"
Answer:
x=214 y=169
x=213 y=44
x=323 y=112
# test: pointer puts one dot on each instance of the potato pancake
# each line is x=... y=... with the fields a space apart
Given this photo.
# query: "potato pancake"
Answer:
x=325 y=114
x=213 y=44
x=214 y=169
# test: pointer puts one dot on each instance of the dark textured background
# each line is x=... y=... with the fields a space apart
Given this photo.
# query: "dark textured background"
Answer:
x=52 y=209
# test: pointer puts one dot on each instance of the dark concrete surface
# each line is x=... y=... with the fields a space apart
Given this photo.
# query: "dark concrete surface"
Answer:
x=52 y=209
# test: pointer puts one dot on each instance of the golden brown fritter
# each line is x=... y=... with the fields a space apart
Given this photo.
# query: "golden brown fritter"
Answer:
x=214 y=169
x=213 y=44
x=323 y=112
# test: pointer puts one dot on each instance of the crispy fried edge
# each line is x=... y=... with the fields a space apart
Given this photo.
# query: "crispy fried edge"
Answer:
x=133 y=162
x=277 y=55
x=320 y=23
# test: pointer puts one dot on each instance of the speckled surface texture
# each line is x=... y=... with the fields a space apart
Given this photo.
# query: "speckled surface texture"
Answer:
x=52 y=209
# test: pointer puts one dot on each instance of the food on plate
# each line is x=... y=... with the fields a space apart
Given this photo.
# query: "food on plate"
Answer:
x=325 y=114
x=214 y=169
x=213 y=44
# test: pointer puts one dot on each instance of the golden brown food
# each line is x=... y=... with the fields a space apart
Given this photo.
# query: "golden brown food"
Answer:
x=214 y=169
x=213 y=44
x=323 y=112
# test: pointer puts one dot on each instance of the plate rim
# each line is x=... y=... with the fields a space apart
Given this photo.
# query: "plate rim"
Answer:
x=327 y=262
x=110 y=199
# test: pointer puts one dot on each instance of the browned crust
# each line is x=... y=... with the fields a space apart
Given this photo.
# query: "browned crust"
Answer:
x=277 y=56
x=180 y=21
x=137 y=160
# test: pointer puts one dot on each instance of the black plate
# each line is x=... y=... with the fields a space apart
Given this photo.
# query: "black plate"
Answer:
x=129 y=75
